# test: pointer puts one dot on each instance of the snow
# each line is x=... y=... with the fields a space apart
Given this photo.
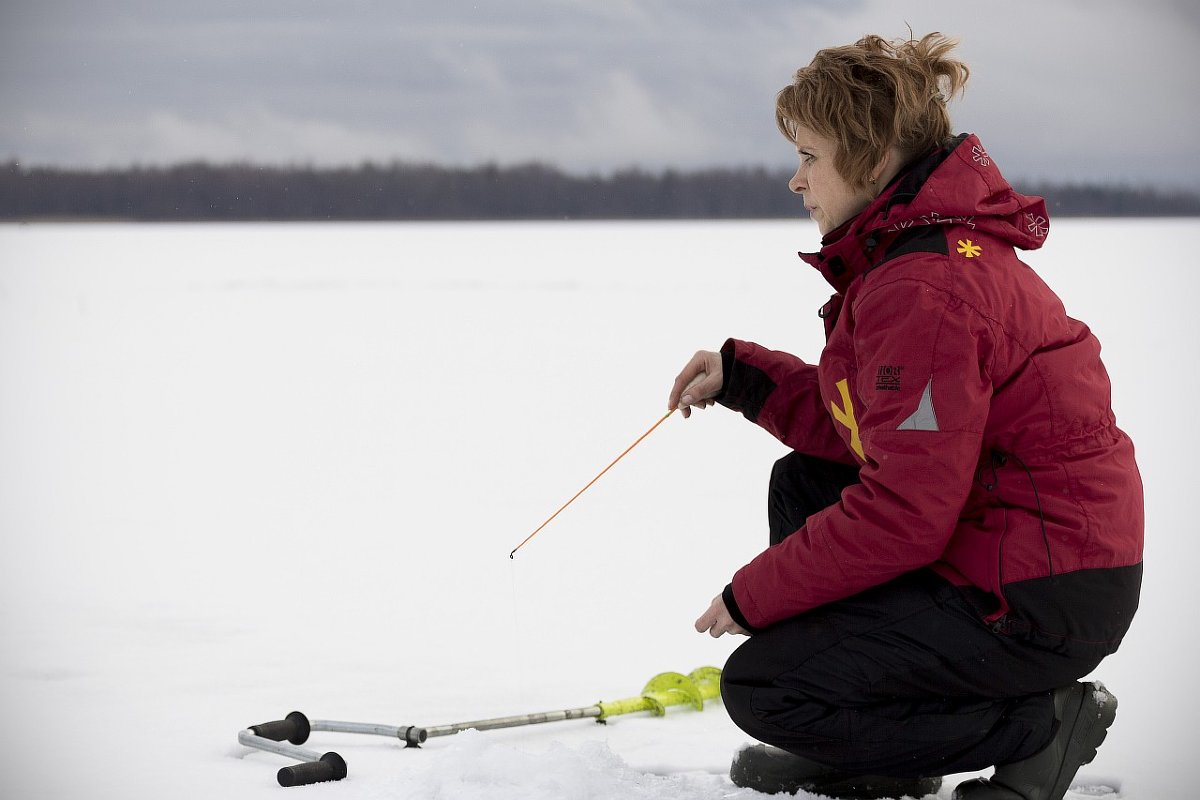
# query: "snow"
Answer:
x=247 y=469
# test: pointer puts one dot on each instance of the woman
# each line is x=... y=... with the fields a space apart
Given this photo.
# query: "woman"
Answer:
x=956 y=539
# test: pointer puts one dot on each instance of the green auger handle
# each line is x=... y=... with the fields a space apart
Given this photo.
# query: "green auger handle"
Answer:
x=668 y=689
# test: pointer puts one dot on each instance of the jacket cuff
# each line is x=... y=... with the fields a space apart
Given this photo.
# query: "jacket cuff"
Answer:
x=732 y=607
x=726 y=368
x=744 y=387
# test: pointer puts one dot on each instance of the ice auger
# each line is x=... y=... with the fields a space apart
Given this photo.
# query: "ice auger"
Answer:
x=285 y=736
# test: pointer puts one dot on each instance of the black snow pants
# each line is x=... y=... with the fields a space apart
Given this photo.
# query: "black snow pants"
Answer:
x=904 y=679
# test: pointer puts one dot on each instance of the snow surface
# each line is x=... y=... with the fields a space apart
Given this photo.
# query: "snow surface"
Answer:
x=248 y=469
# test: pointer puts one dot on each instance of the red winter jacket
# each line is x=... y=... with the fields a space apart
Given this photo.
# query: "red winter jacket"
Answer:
x=977 y=410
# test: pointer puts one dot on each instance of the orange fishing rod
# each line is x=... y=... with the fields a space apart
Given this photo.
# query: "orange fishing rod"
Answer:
x=593 y=480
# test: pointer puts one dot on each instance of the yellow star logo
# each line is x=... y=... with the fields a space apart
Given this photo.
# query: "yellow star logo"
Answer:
x=969 y=249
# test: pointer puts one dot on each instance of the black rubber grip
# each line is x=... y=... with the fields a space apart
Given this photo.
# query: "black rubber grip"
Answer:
x=294 y=727
x=331 y=767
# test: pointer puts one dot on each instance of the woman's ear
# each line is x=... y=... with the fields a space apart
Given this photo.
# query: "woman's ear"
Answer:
x=887 y=168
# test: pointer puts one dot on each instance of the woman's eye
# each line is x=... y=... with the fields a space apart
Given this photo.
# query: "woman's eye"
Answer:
x=806 y=157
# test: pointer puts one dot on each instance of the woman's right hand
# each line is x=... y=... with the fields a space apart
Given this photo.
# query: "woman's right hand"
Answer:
x=698 y=383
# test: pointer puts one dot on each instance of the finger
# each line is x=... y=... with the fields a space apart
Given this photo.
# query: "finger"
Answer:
x=702 y=387
x=696 y=370
x=705 y=385
x=707 y=620
x=687 y=375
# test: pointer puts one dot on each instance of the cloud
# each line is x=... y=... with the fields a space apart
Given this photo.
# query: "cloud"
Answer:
x=1070 y=89
x=617 y=120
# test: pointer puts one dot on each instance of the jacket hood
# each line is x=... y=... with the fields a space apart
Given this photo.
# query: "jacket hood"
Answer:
x=958 y=184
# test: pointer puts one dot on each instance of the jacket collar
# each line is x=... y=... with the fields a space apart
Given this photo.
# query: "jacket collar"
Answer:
x=958 y=183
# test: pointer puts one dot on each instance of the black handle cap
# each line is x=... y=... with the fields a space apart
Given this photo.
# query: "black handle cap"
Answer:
x=294 y=727
x=331 y=767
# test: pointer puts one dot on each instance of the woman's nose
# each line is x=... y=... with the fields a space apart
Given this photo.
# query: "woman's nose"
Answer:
x=797 y=184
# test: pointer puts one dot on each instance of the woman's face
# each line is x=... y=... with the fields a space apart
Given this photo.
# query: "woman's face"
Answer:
x=828 y=198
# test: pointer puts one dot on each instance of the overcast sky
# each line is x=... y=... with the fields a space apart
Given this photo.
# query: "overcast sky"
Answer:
x=1062 y=89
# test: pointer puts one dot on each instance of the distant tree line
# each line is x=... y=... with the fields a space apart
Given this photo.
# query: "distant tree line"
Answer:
x=401 y=191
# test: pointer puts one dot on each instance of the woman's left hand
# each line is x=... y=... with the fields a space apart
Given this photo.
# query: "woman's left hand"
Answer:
x=717 y=620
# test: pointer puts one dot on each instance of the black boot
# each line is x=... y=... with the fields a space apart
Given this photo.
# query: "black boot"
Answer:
x=1084 y=712
x=773 y=771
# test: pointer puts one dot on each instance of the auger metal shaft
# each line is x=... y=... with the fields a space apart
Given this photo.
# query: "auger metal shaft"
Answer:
x=515 y=721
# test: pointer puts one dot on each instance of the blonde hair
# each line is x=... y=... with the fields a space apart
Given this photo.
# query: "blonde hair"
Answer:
x=874 y=95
